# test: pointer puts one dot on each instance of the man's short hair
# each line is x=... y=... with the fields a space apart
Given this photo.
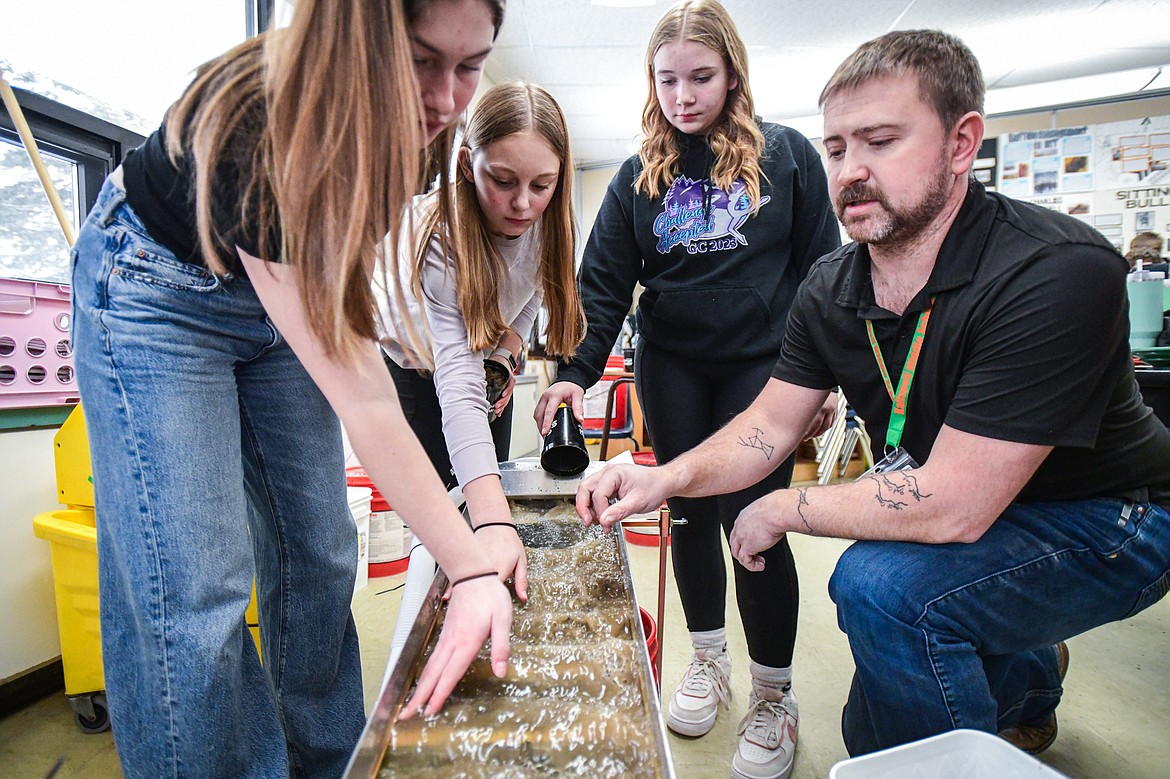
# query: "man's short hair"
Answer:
x=949 y=77
x=1146 y=247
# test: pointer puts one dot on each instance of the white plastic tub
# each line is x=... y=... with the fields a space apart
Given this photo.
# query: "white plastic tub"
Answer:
x=959 y=754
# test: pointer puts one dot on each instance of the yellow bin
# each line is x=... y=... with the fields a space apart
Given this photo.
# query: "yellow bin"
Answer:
x=72 y=537
x=73 y=544
x=72 y=541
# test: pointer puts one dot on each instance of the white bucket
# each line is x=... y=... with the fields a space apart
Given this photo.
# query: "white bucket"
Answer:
x=359 y=507
x=385 y=542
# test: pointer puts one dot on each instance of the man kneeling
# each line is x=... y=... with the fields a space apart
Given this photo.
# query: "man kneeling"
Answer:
x=1023 y=501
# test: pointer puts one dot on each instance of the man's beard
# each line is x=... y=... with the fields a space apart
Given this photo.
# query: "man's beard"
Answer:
x=892 y=226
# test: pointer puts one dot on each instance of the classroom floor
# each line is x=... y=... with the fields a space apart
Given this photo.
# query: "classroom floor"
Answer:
x=1114 y=719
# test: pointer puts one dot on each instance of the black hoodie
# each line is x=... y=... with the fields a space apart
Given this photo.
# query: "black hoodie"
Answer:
x=718 y=280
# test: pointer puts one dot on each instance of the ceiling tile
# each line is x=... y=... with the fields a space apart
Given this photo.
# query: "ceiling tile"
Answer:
x=591 y=57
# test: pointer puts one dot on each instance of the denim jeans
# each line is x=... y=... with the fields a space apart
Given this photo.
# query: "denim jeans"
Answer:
x=215 y=459
x=962 y=635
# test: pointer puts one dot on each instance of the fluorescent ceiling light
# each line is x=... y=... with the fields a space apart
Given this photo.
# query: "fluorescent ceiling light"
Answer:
x=1065 y=37
x=1073 y=90
x=1038 y=96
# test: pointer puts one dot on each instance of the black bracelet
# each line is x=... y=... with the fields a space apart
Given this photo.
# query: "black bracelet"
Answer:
x=493 y=524
x=483 y=575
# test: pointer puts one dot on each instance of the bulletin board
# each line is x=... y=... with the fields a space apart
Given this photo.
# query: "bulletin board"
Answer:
x=1115 y=176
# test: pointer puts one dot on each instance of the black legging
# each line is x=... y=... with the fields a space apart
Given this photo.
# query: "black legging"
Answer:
x=420 y=405
x=685 y=400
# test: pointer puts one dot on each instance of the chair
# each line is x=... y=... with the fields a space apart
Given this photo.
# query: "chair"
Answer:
x=836 y=445
x=608 y=431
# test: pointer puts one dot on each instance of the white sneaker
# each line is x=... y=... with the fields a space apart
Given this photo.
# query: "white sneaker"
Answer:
x=703 y=687
x=767 y=732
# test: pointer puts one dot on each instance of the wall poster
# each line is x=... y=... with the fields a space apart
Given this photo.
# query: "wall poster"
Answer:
x=1115 y=176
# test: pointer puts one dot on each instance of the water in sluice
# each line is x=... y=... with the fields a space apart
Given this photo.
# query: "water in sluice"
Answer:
x=536 y=627
x=572 y=703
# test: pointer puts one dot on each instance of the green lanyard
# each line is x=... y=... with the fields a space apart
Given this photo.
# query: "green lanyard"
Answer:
x=899 y=399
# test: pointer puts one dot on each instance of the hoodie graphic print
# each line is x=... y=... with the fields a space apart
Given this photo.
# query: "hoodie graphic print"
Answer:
x=702 y=217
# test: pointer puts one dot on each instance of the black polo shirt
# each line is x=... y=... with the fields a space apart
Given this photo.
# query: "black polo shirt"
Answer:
x=1027 y=341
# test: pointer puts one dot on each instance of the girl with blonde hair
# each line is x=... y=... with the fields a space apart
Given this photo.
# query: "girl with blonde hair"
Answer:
x=224 y=320
x=719 y=217
x=473 y=292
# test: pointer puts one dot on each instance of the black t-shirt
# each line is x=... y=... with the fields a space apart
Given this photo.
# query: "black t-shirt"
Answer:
x=1027 y=342
x=163 y=195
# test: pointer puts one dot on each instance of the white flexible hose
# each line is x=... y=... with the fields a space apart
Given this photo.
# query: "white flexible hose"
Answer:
x=420 y=572
x=419 y=575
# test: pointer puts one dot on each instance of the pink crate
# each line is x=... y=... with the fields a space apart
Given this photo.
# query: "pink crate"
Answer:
x=36 y=353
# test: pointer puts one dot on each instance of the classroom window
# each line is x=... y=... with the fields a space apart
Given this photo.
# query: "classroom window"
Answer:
x=90 y=102
x=125 y=61
x=32 y=245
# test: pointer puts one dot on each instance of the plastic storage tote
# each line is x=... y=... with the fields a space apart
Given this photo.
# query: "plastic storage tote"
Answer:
x=36 y=355
x=959 y=754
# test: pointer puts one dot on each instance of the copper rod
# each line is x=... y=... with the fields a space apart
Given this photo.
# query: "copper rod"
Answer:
x=650 y=522
x=34 y=154
x=664 y=523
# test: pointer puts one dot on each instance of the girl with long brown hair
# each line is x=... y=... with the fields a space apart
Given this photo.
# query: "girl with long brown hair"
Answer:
x=224 y=320
x=473 y=291
x=719 y=217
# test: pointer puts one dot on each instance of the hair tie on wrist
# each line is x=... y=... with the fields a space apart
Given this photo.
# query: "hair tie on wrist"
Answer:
x=493 y=524
x=483 y=575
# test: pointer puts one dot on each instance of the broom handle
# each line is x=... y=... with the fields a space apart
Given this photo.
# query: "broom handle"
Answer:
x=34 y=154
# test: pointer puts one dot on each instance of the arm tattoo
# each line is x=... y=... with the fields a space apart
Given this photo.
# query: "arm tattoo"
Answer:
x=755 y=442
x=896 y=490
x=801 y=502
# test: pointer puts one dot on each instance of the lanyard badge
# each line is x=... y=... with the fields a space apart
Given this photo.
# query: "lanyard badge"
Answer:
x=895 y=460
x=896 y=457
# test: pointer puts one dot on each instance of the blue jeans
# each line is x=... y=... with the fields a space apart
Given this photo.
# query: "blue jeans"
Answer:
x=962 y=635
x=215 y=459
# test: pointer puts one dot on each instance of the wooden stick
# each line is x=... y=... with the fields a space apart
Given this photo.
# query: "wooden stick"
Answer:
x=34 y=154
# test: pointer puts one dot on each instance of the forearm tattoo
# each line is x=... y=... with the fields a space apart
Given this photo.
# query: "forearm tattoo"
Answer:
x=801 y=502
x=756 y=442
x=897 y=490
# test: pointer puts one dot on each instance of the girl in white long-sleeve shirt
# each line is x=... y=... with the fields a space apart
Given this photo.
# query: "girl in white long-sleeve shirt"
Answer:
x=473 y=294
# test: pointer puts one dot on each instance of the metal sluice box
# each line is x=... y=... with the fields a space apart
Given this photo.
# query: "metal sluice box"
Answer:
x=579 y=698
